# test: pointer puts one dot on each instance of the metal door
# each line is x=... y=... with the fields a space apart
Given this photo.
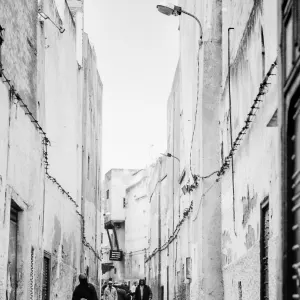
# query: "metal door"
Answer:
x=12 y=257
x=293 y=218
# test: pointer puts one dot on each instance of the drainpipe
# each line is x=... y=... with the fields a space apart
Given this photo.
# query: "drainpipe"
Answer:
x=159 y=235
x=82 y=212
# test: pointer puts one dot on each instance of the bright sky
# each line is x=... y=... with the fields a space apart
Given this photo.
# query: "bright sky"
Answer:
x=137 y=52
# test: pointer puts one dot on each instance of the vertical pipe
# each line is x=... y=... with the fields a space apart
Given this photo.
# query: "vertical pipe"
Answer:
x=231 y=138
x=173 y=169
x=82 y=212
x=159 y=235
x=173 y=202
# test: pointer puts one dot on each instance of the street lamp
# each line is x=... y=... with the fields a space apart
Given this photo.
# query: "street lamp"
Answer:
x=169 y=9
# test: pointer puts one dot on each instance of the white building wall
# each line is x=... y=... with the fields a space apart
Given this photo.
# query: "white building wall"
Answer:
x=136 y=226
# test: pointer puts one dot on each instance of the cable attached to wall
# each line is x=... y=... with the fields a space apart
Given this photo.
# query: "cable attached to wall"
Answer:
x=231 y=132
x=46 y=17
x=14 y=96
x=225 y=165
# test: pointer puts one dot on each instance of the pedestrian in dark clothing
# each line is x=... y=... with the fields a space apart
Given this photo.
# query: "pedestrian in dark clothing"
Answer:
x=84 y=290
x=143 y=291
x=121 y=293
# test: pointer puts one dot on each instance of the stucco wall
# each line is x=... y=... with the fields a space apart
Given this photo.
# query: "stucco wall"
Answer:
x=19 y=49
x=61 y=112
x=21 y=167
x=21 y=181
x=91 y=153
x=256 y=160
x=137 y=215
x=47 y=219
x=62 y=239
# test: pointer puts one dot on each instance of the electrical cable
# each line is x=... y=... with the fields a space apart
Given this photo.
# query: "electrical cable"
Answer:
x=223 y=168
x=156 y=186
x=45 y=143
x=197 y=102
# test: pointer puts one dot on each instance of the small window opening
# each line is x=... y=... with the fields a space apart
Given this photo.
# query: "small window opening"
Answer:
x=31 y=284
x=263 y=54
x=107 y=194
x=240 y=290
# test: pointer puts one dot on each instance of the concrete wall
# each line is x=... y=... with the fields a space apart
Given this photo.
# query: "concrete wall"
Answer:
x=91 y=153
x=137 y=216
x=117 y=180
x=256 y=160
x=221 y=236
x=41 y=65
x=62 y=239
x=19 y=51
x=61 y=111
x=21 y=167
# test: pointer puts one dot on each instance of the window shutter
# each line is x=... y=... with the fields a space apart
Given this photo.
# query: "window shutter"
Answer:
x=46 y=278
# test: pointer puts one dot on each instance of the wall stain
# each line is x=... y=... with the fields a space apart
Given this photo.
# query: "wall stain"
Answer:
x=249 y=203
x=57 y=235
x=250 y=237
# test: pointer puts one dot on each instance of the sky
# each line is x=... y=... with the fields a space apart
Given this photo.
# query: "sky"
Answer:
x=137 y=53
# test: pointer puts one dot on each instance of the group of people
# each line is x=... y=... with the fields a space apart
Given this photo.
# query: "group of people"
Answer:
x=86 y=291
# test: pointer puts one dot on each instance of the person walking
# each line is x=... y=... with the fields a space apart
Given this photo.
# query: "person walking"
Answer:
x=84 y=290
x=110 y=293
x=132 y=290
x=143 y=291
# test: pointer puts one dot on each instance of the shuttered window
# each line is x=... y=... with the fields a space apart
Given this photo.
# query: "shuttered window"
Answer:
x=46 y=277
x=31 y=286
x=265 y=235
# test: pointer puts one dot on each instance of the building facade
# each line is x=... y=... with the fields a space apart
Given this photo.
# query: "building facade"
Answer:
x=288 y=117
x=50 y=223
x=114 y=189
x=137 y=214
x=214 y=230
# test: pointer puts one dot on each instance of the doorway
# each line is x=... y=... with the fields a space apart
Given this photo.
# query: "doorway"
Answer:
x=11 y=292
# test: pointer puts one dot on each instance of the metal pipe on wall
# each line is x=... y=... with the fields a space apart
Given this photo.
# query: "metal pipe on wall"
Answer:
x=159 y=235
x=231 y=133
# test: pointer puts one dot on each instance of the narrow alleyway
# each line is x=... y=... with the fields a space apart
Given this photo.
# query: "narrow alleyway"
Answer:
x=149 y=150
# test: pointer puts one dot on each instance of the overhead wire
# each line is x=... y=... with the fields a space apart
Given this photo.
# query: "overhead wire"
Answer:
x=225 y=165
x=45 y=142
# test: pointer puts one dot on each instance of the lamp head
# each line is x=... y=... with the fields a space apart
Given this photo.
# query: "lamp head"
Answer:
x=169 y=9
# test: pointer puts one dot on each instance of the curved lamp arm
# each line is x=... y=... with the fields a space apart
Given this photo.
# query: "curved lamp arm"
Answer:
x=198 y=21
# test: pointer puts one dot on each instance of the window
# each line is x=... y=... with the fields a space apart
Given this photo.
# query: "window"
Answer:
x=264 y=250
x=291 y=35
x=107 y=194
x=263 y=54
x=240 y=290
x=288 y=29
x=101 y=237
x=124 y=202
x=31 y=284
x=46 y=277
